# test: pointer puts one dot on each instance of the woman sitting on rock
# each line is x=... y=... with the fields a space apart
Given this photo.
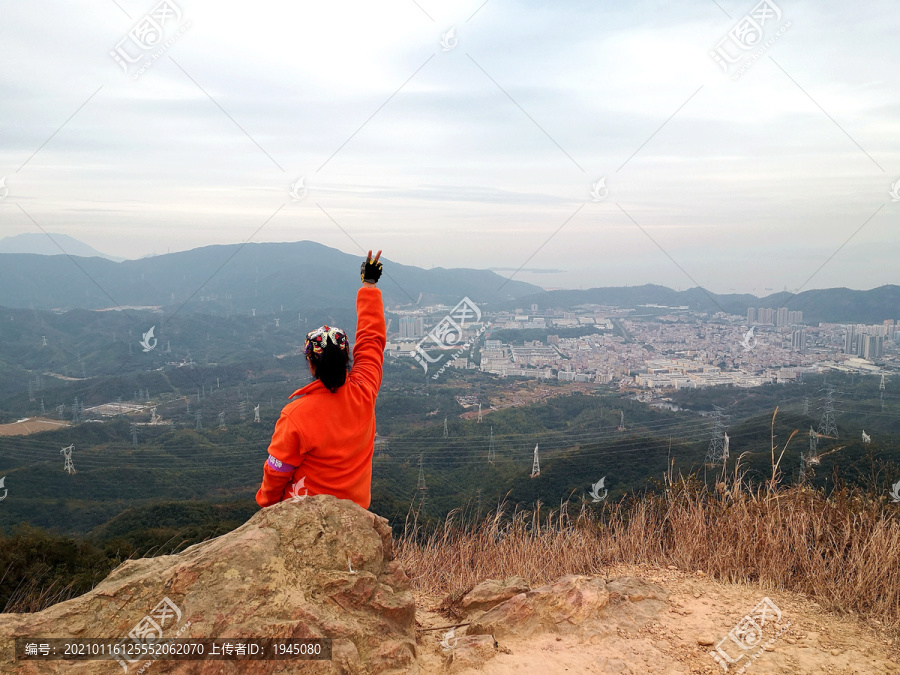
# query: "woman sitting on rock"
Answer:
x=324 y=440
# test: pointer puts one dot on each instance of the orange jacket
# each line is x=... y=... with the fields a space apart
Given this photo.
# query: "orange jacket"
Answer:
x=323 y=441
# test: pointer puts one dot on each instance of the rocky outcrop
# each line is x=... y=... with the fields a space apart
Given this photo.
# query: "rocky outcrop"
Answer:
x=579 y=606
x=562 y=606
x=312 y=568
x=492 y=592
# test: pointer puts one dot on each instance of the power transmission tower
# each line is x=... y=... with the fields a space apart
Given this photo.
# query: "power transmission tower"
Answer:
x=256 y=413
x=222 y=420
x=69 y=468
x=491 y=454
x=715 y=454
x=536 y=464
x=479 y=413
x=199 y=423
x=881 y=386
x=134 y=435
x=827 y=426
x=622 y=421
x=725 y=449
x=43 y=411
x=420 y=484
x=446 y=431
x=61 y=411
x=811 y=458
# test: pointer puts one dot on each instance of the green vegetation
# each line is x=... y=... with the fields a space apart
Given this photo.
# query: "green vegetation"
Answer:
x=176 y=484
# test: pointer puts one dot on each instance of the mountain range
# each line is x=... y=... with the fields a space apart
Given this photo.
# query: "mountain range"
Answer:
x=830 y=305
x=42 y=244
x=293 y=276
x=235 y=278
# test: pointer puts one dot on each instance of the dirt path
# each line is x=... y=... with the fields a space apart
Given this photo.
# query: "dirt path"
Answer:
x=699 y=613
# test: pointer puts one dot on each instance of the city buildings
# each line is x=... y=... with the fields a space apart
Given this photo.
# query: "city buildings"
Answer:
x=412 y=326
x=868 y=341
x=663 y=347
x=778 y=317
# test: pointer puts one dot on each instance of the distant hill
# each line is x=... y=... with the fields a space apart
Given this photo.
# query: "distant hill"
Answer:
x=41 y=244
x=832 y=305
x=236 y=279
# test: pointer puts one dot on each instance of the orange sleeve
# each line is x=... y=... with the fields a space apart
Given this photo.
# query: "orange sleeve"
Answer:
x=285 y=455
x=272 y=489
x=368 y=352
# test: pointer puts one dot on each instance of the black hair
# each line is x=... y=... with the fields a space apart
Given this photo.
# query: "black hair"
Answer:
x=331 y=366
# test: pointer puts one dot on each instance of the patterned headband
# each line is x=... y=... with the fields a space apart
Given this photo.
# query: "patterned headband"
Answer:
x=317 y=340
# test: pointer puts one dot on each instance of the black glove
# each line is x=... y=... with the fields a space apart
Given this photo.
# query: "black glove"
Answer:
x=370 y=270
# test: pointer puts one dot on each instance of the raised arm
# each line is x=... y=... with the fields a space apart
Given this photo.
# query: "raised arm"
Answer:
x=368 y=352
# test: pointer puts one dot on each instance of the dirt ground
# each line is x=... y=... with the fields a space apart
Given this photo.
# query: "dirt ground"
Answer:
x=32 y=425
x=700 y=612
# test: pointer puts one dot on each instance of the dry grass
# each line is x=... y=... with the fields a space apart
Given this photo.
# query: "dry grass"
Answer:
x=33 y=596
x=841 y=549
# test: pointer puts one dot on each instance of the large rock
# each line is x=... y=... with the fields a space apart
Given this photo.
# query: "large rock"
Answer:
x=285 y=573
x=558 y=607
x=572 y=605
x=492 y=592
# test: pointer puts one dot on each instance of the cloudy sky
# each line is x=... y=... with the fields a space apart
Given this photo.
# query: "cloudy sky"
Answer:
x=468 y=134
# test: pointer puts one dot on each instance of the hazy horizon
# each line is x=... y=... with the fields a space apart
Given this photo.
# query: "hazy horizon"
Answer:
x=522 y=273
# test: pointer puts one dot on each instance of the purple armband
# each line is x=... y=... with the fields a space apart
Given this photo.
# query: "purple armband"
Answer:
x=278 y=465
